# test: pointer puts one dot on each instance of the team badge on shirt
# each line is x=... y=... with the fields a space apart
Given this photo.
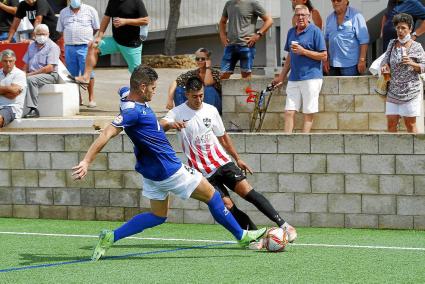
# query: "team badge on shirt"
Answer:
x=118 y=119
x=207 y=122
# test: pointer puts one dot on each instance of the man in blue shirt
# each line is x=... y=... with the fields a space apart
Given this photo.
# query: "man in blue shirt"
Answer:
x=347 y=37
x=157 y=162
x=307 y=49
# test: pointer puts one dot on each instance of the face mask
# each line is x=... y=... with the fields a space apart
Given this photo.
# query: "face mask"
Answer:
x=405 y=39
x=75 y=4
x=41 y=39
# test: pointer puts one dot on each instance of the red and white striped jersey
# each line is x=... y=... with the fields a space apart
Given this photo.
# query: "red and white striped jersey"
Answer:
x=199 y=139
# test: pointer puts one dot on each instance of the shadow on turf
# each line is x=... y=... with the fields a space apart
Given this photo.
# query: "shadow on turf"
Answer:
x=30 y=259
x=166 y=246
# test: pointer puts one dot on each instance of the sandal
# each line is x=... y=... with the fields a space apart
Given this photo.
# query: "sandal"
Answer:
x=74 y=80
x=83 y=85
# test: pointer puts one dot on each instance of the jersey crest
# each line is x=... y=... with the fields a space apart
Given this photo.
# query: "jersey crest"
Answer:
x=207 y=122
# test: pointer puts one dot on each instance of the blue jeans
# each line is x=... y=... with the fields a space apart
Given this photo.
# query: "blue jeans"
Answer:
x=211 y=96
x=344 y=71
x=3 y=36
x=75 y=58
x=235 y=53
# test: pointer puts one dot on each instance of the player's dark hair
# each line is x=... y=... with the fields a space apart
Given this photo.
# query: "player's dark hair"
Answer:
x=404 y=19
x=142 y=75
x=193 y=84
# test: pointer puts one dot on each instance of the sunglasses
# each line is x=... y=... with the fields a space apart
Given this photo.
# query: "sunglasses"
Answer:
x=338 y=1
x=200 y=59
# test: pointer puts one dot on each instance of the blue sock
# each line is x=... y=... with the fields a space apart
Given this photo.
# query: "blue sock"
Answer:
x=137 y=224
x=223 y=216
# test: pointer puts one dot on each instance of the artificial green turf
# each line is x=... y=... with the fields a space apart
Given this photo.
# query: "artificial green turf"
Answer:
x=218 y=264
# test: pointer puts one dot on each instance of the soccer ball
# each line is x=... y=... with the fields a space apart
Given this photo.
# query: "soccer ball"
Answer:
x=276 y=239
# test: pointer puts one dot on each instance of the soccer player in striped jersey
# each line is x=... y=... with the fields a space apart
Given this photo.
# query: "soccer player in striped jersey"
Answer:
x=204 y=141
x=163 y=173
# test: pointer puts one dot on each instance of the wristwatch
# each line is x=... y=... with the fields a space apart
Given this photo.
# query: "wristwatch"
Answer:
x=259 y=33
x=415 y=34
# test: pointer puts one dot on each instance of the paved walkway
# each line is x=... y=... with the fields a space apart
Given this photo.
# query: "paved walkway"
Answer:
x=109 y=80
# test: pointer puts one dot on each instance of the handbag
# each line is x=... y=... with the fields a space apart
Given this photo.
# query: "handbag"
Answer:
x=381 y=87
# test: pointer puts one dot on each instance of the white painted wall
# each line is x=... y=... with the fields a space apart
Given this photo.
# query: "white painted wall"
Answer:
x=193 y=12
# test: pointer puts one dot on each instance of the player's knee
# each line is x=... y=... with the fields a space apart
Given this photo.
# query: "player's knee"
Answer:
x=228 y=203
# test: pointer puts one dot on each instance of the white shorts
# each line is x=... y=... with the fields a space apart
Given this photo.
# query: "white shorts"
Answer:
x=409 y=109
x=303 y=92
x=183 y=183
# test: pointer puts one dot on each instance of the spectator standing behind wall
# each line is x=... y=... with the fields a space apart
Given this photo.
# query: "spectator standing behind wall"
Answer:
x=13 y=86
x=37 y=12
x=78 y=23
x=7 y=12
x=307 y=49
x=404 y=59
x=315 y=14
x=127 y=18
x=210 y=78
x=415 y=8
x=347 y=39
x=240 y=17
x=41 y=65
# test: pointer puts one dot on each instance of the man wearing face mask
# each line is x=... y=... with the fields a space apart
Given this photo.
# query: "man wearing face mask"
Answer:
x=38 y=12
x=41 y=65
x=78 y=23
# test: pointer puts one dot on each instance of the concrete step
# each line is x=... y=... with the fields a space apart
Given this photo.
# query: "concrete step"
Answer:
x=71 y=123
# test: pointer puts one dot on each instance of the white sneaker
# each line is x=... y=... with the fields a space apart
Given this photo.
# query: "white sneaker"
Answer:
x=290 y=231
x=92 y=104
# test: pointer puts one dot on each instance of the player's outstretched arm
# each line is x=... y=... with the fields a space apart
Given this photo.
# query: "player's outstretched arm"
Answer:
x=167 y=125
x=227 y=144
x=80 y=171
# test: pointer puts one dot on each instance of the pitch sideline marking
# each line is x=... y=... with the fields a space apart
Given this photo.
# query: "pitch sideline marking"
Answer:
x=216 y=241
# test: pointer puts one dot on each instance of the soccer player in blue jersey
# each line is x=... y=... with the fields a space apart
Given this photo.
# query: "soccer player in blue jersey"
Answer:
x=162 y=171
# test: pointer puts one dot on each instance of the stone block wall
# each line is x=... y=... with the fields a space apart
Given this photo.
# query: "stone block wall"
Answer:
x=319 y=180
x=346 y=104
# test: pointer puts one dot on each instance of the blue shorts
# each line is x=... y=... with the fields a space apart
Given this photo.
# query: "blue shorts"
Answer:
x=75 y=59
x=211 y=96
x=8 y=115
x=235 y=53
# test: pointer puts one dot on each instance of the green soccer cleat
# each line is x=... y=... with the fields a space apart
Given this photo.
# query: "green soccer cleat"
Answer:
x=106 y=239
x=251 y=236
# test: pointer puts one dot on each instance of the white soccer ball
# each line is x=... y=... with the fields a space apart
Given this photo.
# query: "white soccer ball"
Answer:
x=276 y=239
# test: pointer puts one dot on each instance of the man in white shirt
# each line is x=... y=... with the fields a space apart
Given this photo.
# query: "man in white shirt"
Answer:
x=204 y=141
x=13 y=84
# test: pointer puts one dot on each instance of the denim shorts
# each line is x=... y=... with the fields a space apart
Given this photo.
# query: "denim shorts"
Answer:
x=8 y=115
x=211 y=96
x=233 y=54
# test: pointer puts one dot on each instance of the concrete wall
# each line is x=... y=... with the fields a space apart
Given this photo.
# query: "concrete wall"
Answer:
x=329 y=180
x=346 y=104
